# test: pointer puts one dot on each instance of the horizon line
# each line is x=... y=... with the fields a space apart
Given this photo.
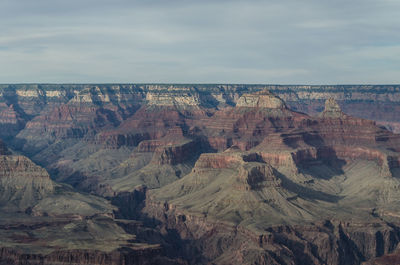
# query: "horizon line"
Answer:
x=186 y=83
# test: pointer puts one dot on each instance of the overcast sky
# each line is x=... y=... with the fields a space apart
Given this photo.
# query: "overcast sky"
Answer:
x=200 y=41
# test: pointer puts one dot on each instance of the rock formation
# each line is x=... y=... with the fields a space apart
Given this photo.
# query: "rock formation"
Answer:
x=22 y=182
x=260 y=100
x=48 y=223
x=332 y=109
x=209 y=173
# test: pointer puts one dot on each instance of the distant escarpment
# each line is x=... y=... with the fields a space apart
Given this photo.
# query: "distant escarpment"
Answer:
x=374 y=102
x=41 y=114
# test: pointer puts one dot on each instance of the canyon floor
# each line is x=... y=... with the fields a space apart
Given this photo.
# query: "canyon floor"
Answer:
x=199 y=174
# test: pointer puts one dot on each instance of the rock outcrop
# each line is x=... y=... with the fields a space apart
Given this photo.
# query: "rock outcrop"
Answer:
x=260 y=100
x=22 y=183
x=173 y=154
x=332 y=109
x=179 y=100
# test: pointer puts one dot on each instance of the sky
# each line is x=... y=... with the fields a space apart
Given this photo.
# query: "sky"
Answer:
x=200 y=41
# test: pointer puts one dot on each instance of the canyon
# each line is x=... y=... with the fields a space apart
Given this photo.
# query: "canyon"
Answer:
x=199 y=174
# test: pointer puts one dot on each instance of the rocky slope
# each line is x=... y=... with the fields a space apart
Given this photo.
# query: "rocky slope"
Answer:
x=43 y=222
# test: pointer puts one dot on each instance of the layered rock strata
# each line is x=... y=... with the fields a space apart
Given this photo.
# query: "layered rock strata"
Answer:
x=243 y=167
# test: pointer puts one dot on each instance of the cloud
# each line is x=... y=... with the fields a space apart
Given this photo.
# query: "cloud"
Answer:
x=206 y=41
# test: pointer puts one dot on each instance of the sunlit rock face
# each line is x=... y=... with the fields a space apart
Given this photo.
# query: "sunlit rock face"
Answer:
x=332 y=109
x=260 y=100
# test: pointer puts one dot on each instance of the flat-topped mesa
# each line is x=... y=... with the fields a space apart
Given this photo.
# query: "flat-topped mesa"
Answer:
x=225 y=160
x=174 y=153
x=332 y=109
x=262 y=99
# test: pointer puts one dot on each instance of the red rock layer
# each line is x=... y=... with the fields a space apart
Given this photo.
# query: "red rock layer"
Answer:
x=148 y=123
x=72 y=121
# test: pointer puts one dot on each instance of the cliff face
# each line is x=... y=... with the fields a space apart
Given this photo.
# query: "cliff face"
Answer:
x=260 y=100
x=174 y=154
